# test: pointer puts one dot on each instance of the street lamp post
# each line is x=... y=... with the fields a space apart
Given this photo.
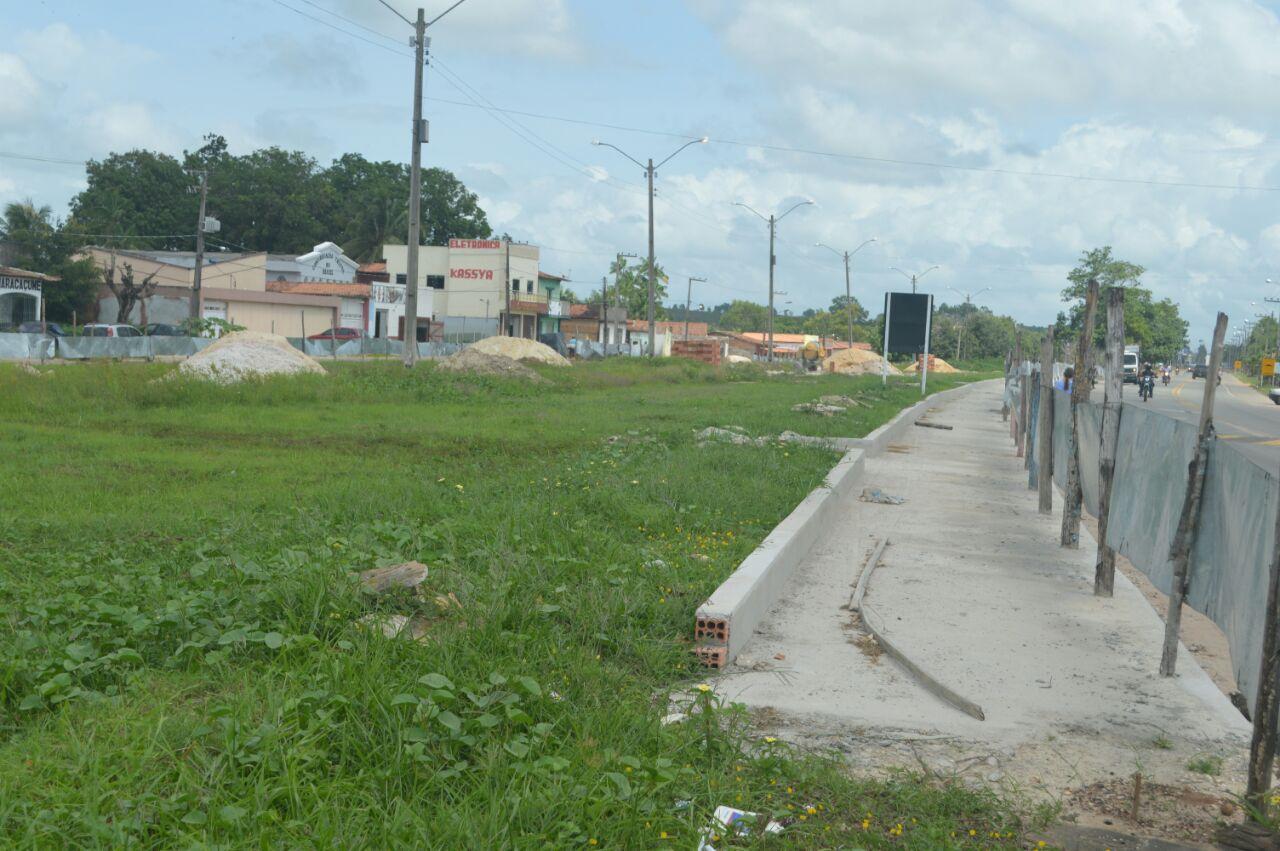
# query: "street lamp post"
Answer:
x=968 y=300
x=848 y=287
x=649 y=171
x=773 y=259
x=688 y=300
x=913 y=277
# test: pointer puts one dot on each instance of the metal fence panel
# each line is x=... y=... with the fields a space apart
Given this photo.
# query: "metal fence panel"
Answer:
x=1232 y=556
x=26 y=347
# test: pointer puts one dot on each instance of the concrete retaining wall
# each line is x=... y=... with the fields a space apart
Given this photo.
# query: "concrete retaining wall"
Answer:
x=726 y=621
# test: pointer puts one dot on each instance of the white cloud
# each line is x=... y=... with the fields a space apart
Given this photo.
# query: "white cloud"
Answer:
x=20 y=92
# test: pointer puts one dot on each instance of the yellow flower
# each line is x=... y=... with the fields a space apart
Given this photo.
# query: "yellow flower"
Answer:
x=769 y=740
x=866 y=823
x=704 y=688
x=811 y=810
x=662 y=835
x=592 y=841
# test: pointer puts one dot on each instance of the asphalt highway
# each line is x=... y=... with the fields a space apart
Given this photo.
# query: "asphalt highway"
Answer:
x=1241 y=414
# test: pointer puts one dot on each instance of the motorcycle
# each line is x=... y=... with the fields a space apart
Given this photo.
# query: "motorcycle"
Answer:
x=1146 y=387
x=1165 y=379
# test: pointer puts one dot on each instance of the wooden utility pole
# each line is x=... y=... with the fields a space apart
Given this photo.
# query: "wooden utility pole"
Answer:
x=1004 y=406
x=1104 y=573
x=1262 y=751
x=1019 y=431
x=199 y=268
x=1184 y=538
x=1044 y=432
x=415 y=198
x=1072 y=495
x=604 y=309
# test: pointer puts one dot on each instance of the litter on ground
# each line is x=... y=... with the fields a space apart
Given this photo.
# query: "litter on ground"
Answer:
x=877 y=495
x=727 y=821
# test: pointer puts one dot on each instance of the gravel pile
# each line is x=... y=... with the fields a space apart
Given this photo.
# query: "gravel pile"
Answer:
x=518 y=348
x=248 y=354
x=857 y=362
x=478 y=363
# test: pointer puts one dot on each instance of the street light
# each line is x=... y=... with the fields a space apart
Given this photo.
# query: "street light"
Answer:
x=649 y=171
x=968 y=300
x=913 y=277
x=688 y=299
x=848 y=292
x=773 y=258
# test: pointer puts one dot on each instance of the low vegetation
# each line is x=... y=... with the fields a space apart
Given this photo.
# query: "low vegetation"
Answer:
x=188 y=659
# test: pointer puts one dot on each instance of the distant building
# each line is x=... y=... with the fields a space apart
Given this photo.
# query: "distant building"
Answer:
x=21 y=294
x=583 y=323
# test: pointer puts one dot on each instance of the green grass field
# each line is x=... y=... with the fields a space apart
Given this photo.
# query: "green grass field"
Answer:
x=184 y=663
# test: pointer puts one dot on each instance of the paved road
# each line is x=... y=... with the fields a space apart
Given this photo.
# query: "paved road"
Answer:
x=1242 y=415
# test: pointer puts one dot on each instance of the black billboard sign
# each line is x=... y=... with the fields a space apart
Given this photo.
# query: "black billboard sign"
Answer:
x=907 y=323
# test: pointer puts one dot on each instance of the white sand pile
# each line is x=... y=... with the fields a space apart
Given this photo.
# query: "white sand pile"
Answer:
x=936 y=364
x=518 y=348
x=248 y=354
x=857 y=362
x=739 y=359
x=478 y=363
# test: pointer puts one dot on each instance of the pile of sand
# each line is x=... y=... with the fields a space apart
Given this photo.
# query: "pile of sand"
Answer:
x=739 y=359
x=857 y=362
x=248 y=354
x=936 y=364
x=518 y=348
x=478 y=363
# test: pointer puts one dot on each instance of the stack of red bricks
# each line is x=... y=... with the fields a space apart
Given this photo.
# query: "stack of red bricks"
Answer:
x=707 y=351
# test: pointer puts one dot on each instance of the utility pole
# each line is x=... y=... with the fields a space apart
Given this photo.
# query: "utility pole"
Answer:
x=649 y=171
x=506 y=289
x=415 y=179
x=415 y=197
x=196 y=274
x=604 y=309
x=914 y=277
x=688 y=300
x=848 y=286
x=772 y=221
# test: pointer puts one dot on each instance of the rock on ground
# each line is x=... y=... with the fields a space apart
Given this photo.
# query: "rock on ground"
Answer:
x=248 y=354
x=519 y=348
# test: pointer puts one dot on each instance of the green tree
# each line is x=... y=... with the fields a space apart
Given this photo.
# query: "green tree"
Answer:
x=631 y=288
x=841 y=303
x=39 y=244
x=745 y=316
x=137 y=194
x=1155 y=326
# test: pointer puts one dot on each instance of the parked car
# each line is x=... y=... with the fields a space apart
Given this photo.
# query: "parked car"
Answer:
x=101 y=329
x=1200 y=370
x=55 y=330
x=160 y=329
x=338 y=334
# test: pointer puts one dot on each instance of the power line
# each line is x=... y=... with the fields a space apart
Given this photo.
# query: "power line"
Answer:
x=337 y=28
x=16 y=156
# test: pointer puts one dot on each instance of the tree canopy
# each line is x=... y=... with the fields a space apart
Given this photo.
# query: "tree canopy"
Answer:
x=1155 y=326
x=630 y=288
x=38 y=243
x=271 y=200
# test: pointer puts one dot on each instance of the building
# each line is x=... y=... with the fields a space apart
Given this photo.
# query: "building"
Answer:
x=477 y=287
x=552 y=286
x=789 y=345
x=21 y=295
x=235 y=287
x=583 y=323
x=640 y=327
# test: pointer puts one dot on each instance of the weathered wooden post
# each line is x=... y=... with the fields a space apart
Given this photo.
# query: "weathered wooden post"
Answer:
x=1104 y=574
x=1262 y=751
x=1019 y=427
x=1072 y=496
x=1044 y=435
x=1184 y=538
x=1004 y=404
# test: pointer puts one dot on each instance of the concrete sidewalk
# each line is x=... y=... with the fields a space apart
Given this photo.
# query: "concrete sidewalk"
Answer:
x=974 y=588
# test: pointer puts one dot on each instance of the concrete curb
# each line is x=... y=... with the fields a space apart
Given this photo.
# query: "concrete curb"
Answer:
x=726 y=621
x=729 y=617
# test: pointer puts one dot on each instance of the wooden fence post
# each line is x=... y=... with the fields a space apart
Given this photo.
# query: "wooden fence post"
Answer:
x=1004 y=404
x=1019 y=426
x=1104 y=574
x=1262 y=750
x=1184 y=538
x=1044 y=436
x=1072 y=495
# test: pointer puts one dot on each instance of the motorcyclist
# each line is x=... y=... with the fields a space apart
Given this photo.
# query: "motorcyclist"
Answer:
x=1147 y=379
x=1164 y=375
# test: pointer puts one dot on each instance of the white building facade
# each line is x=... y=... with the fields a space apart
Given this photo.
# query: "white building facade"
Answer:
x=474 y=287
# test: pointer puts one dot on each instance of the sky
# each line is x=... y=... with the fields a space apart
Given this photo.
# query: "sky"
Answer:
x=994 y=140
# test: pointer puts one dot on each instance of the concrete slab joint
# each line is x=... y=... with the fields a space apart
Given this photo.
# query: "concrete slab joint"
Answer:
x=726 y=621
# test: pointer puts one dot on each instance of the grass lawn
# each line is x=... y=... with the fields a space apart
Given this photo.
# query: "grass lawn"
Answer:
x=184 y=663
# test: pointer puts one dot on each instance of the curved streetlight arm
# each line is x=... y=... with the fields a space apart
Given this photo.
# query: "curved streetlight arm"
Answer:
x=864 y=245
x=600 y=144
x=900 y=272
x=927 y=271
x=752 y=209
x=829 y=248
x=701 y=141
x=793 y=208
